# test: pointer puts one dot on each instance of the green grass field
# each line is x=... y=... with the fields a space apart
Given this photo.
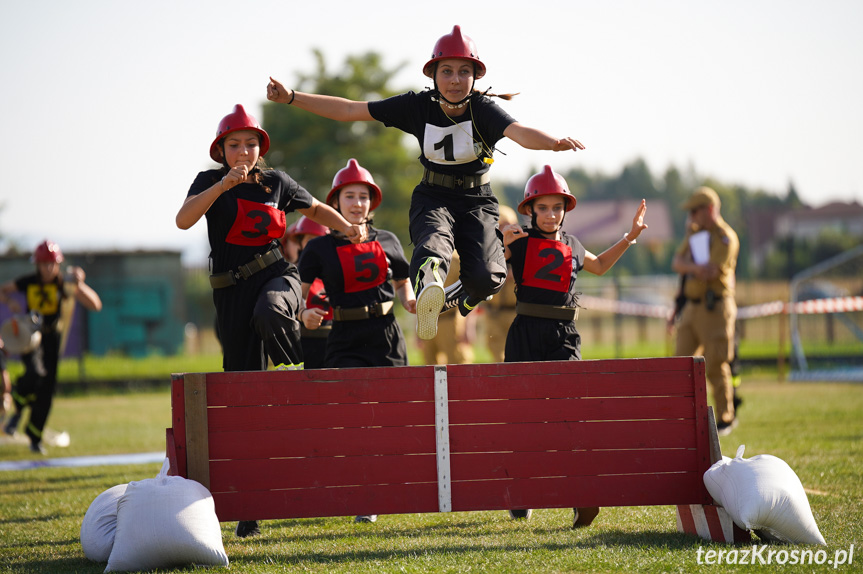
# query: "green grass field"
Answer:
x=816 y=428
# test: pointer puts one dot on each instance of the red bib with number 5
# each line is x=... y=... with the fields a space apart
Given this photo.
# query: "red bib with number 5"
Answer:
x=547 y=265
x=364 y=266
x=256 y=224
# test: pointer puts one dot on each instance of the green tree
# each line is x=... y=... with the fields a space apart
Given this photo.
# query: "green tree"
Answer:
x=312 y=149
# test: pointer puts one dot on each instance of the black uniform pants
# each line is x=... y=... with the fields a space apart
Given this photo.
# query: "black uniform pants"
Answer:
x=36 y=387
x=540 y=339
x=256 y=321
x=442 y=220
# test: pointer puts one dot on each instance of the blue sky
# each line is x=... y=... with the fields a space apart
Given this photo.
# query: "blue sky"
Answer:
x=109 y=107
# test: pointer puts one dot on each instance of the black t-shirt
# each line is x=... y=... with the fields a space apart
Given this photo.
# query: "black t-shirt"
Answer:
x=355 y=275
x=545 y=270
x=449 y=145
x=246 y=219
x=45 y=298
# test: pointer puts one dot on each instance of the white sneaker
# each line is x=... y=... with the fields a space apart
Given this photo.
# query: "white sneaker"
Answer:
x=366 y=518
x=429 y=304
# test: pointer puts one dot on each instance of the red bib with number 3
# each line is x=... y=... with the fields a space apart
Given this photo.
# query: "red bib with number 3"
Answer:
x=547 y=265
x=364 y=266
x=256 y=224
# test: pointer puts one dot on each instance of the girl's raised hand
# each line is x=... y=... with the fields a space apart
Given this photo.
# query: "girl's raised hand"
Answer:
x=235 y=176
x=512 y=232
x=638 y=224
x=276 y=92
x=568 y=143
x=356 y=233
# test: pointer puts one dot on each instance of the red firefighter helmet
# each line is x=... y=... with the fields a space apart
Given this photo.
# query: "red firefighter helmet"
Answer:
x=455 y=45
x=305 y=226
x=546 y=182
x=236 y=121
x=355 y=173
x=47 y=252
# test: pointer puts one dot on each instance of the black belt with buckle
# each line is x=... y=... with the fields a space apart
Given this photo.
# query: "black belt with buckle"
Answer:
x=455 y=181
x=259 y=263
x=547 y=311
x=360 y=313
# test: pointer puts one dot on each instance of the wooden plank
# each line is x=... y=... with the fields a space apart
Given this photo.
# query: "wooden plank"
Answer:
x=567 y=385
x=247 y=445
x=568 y=492
x=171 y=452
x=307 y=503
x=288 y=417
x=705 y=426
x=538 y=369
x=178 y=422
x=508 y=465
x=197 y=449
x=318 y=472
x=572 y=436
x=321 y=386
x=574 y=409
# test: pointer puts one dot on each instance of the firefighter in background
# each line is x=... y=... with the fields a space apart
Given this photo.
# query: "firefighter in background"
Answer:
x=545 y=263
x=45 y=292
x=499 y=313
x=707 y=321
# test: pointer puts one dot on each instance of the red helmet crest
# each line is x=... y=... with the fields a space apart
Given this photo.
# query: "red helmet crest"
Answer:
x=47 y=252
x=236 y=121
x=355 y=173
x=455 y=45
x=305 y=226
x=546 y=183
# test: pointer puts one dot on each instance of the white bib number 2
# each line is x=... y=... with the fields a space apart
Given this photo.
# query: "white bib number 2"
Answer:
x=450 y=145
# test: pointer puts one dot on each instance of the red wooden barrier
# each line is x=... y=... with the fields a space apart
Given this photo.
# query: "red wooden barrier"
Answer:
x=344 y=442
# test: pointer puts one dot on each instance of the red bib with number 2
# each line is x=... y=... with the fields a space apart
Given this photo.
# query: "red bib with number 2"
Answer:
x=547 y=264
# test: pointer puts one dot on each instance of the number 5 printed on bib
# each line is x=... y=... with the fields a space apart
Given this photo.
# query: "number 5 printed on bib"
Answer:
x=364 y=266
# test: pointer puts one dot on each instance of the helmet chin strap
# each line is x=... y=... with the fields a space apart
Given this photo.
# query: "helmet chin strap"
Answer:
x=535 y=225
x=446 y=102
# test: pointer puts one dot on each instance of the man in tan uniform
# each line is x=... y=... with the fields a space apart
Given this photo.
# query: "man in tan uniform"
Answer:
x=708 y=258
x=499 y=313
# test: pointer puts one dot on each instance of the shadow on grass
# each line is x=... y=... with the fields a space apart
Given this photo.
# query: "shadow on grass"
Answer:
x=258 y=555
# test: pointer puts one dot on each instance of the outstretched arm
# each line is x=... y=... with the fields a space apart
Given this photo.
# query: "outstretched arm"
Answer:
x=326 y=215
x=331 y=107
x=531 y=138
x=598 y=265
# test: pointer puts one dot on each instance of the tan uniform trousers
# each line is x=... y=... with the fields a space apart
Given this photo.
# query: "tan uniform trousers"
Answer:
x=496 y=324
x=711 y=334
x=449 y=346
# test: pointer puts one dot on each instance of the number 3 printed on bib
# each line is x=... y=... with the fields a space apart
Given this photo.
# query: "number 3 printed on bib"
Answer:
x=450 y=145
x=547 y=265
x=256 y=224
x=364 y=266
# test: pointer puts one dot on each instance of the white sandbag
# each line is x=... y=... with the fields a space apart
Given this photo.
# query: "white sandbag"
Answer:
x=165 y=522
x=100 y=524
x=763 y=493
